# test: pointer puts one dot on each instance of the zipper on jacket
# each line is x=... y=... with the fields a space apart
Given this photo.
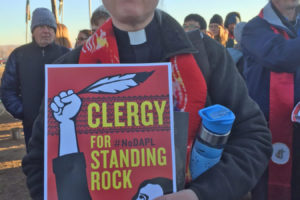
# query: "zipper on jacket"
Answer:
x=43 y=52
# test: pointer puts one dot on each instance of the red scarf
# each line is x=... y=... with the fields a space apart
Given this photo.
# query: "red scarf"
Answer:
x=230 y=35
x=281 y=106
x=189 y=86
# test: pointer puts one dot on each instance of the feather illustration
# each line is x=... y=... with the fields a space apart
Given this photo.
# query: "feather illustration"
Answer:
x=117 y=84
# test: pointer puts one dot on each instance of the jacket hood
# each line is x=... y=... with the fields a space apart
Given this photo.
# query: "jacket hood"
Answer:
x=175 y=40
x=235 y=54
x=271 y=17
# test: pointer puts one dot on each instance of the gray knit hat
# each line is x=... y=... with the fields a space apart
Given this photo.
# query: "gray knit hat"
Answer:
x=42 y=16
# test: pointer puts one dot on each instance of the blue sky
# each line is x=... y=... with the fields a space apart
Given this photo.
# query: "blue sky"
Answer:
x=76 y=13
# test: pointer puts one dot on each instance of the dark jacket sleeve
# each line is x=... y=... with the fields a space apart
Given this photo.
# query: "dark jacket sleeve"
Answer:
x=270 y=49
x=70 y=175
x=247 y=152
x=33 y=161
x=68 y=169
x=10 y=88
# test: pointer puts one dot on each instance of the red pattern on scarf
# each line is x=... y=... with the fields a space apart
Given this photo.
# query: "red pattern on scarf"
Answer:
x=189 y=86
x=281 y=106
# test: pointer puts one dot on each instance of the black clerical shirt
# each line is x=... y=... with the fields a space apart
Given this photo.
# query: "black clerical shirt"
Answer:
x=149 y=51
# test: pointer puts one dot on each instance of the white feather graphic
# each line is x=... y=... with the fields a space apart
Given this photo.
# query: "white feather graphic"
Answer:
x=116 y=84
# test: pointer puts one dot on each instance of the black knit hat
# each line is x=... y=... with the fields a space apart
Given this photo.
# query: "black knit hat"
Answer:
x=216 y=19
x=232 y=18
x=43 y=16
x=197 y=18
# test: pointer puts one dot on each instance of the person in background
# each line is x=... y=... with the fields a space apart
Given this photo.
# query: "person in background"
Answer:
x=194 y=21
x=62 y=36
x=82 y=37
x=99 y=16
x=216 y=27
x=22 y=84
x=231 y=20
x=139 y=33
x=236 y=52
x=271 y=46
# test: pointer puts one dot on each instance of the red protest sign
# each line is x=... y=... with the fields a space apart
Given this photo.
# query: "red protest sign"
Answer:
x=109 y=131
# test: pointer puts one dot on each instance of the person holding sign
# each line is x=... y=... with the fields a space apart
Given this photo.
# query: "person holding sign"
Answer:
x=203 y=74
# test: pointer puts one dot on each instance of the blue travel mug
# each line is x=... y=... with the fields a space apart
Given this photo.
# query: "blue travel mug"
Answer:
x=217 y=122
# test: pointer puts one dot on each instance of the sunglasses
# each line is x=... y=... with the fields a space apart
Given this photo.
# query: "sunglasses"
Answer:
x=190 y=26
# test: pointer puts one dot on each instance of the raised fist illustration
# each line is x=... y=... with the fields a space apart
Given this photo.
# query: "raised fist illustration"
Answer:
x=65 y=106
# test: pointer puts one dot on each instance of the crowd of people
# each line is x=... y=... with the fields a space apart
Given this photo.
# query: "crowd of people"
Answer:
x=252 y=68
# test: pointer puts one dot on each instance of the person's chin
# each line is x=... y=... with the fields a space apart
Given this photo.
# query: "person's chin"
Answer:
x=130 y=19
x=45 y=43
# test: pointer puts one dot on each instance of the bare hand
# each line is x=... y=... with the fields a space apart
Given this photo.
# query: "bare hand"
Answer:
x=181 y=195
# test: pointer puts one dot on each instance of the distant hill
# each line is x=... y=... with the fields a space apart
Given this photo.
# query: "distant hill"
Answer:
x=5 y=50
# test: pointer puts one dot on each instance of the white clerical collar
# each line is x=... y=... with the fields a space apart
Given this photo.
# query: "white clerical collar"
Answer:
x=138 y=37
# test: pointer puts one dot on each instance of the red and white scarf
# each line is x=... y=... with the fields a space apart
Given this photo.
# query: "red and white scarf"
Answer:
x=189 y=86
x=281 y=106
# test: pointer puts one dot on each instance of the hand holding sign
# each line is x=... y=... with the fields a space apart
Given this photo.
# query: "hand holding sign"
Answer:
x=183 y=194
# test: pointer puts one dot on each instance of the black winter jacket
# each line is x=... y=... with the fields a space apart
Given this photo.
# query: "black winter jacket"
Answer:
x=248 y=149
x=22 y=86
